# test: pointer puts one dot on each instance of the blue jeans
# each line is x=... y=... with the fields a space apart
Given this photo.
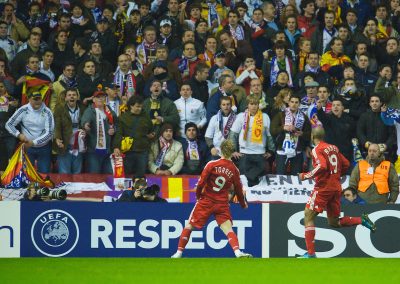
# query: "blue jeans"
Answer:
x=43 y=157
x=98 y=164
x=69 y=164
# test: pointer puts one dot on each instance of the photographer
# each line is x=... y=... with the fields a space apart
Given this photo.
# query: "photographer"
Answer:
x=138 y=184
x=148 y=194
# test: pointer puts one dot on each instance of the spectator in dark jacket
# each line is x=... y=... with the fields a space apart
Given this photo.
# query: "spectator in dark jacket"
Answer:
x=195 y=151
x=198 y=83
x=339 y=127
x=371 y=129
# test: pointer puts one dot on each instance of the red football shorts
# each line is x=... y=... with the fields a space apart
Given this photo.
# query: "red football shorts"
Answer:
x=325 y=200
x=204 y=208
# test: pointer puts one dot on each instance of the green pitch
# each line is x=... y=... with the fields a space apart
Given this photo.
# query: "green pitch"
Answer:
x=203 y=271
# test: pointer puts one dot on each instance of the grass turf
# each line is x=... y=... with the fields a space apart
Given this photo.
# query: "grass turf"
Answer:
x=204 y=271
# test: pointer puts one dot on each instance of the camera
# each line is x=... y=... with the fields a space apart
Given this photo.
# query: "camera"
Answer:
x=59 y=194
x=150 y=190
x=44 y=191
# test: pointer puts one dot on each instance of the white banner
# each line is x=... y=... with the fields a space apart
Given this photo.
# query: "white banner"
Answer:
x=281 y=188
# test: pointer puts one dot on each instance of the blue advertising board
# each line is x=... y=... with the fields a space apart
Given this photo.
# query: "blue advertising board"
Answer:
x=84 y=229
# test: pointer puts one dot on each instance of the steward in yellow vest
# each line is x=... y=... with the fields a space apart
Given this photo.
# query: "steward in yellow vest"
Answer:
x=375 y=179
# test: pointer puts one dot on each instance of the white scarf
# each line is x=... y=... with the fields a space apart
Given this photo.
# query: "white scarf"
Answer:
x=101 y=144
x=121 y=79
x=237 y=33
x=275 y=70
x=192 y=152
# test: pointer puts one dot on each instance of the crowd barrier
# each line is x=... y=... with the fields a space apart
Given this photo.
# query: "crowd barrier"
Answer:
x=89 y=229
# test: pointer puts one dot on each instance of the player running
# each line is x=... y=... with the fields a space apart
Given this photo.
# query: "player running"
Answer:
x=212 y=192
x=329 y=164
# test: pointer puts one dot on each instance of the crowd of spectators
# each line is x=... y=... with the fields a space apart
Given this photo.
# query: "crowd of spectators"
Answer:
x=164 y=82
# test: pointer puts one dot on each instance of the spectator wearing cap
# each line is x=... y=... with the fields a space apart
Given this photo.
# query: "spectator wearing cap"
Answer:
x=166 y=154
x=190 y=110
x=218 y=68
x=146 y=51
x=159 y=108
x=311 y=96
x=88 y=82
x=133 y=31
x=68 y=135
x=166 y=37
x=169 y=86
x=37 y=131
x=195 y=150
x=66 y=80
x=113 y=100
x=162 y=55
x=199 y=84
x=106 y=38
x=235 y=50
x=134 y=123
x=99 y=122
x=187 y=63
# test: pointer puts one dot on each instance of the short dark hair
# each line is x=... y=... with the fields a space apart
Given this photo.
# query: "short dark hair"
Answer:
x=384 y=66
x=200 y=67
x=82 y=42
x=135 y=100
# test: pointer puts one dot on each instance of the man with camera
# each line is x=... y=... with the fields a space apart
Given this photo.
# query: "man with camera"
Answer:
x=147 y=194
x=34 y=193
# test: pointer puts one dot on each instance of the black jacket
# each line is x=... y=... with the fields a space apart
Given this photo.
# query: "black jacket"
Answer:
x=371 y=128
x=200 y=90
x=339 y=131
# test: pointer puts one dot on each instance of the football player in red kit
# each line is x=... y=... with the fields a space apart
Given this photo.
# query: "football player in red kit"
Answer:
x=329 y=165
x=212 y=190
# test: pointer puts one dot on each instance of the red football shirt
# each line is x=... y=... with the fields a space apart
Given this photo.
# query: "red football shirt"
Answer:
x=329 y=165
x=217 y=179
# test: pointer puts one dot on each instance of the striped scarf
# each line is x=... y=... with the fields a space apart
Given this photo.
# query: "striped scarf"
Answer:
x=164 y=146
x=127 y=82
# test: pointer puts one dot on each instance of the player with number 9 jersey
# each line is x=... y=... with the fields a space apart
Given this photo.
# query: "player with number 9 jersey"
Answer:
x=329 y=165
x=216 y=181
x=212 y=193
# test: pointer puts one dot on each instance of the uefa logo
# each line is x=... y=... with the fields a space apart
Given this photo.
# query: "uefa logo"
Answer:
x=55 y=233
